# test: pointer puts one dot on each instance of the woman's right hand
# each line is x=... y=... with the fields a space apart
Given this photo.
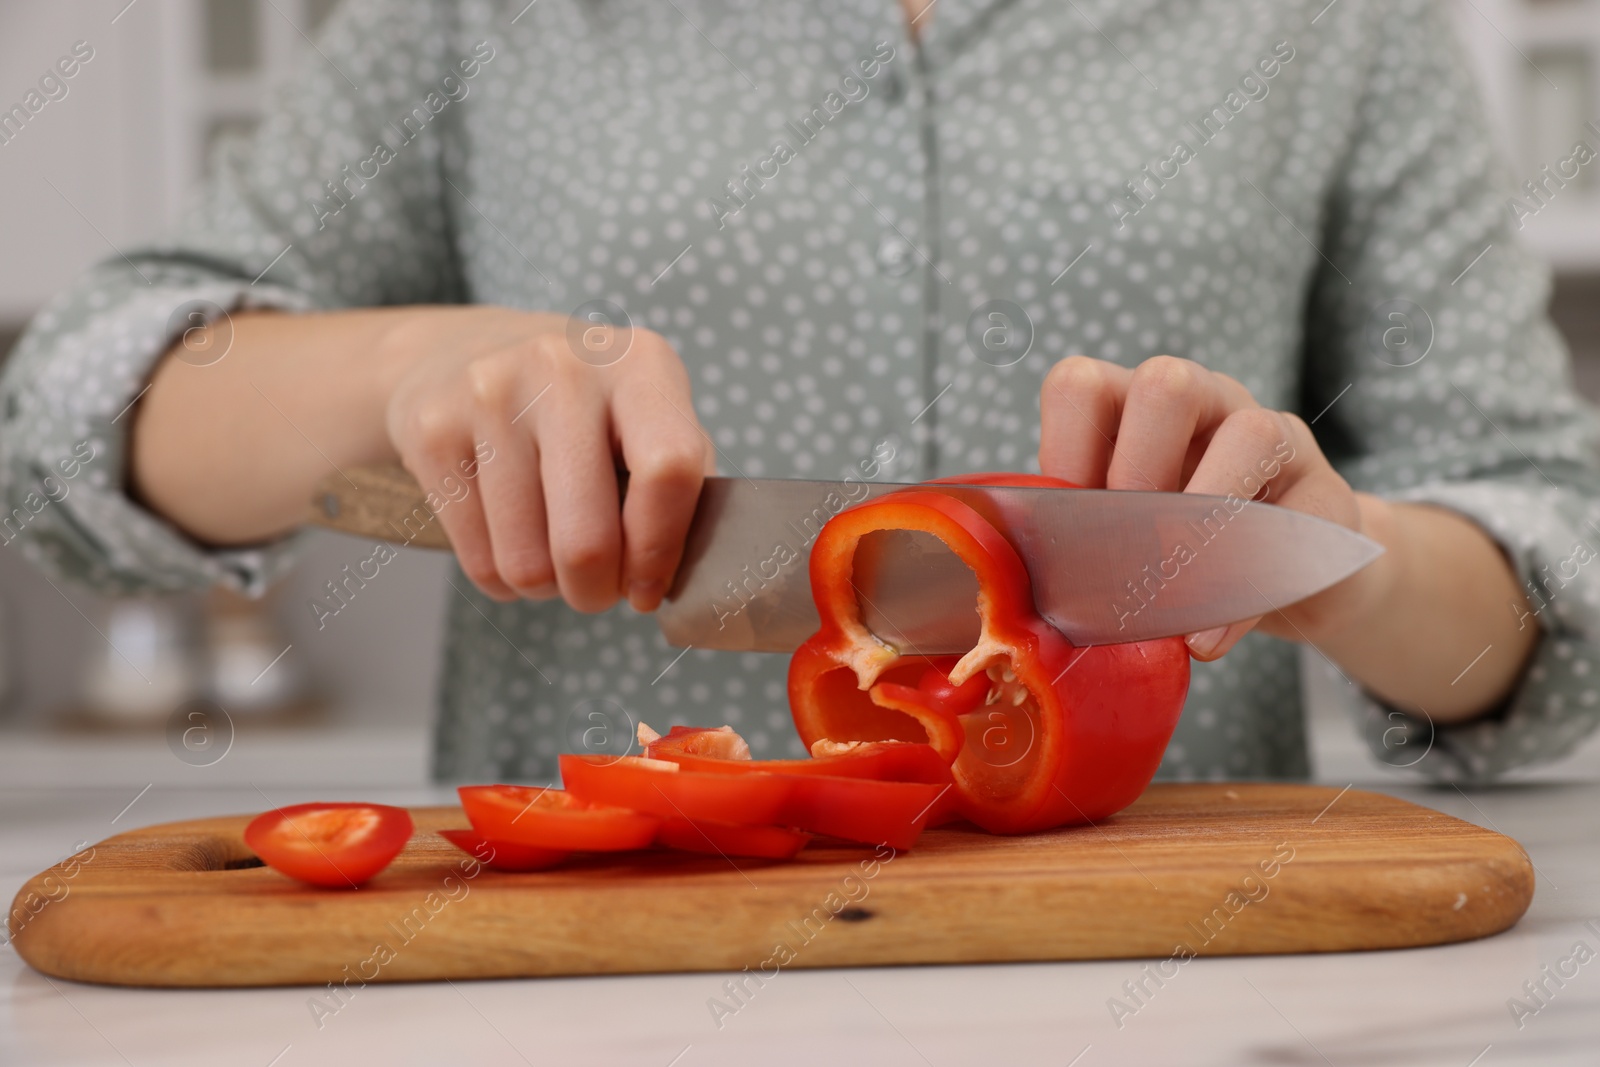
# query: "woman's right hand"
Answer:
x=560 y=405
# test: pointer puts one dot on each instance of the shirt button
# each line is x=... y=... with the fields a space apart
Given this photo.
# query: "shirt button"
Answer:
x=894 y=256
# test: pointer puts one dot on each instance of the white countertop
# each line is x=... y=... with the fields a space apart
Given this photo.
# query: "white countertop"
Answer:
x=1442 y=1006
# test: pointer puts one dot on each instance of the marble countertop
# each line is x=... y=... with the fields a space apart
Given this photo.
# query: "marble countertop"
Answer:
x=1445 y=1005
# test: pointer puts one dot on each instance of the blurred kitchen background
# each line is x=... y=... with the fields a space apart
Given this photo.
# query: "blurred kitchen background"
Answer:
x=124 y=148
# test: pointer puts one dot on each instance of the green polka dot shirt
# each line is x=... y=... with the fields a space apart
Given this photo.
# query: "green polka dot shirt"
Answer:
x=823 y=216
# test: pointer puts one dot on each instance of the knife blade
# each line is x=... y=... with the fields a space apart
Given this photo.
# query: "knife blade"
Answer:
x=1106 y=566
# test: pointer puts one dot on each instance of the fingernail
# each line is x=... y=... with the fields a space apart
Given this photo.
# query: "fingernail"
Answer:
x=1204 y=644
x=645 y=596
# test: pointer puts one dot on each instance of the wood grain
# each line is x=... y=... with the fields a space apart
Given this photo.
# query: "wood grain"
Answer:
x=1208 y=869
x=381 y=501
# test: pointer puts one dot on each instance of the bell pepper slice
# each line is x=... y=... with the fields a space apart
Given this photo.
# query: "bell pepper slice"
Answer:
x=504 y=855
x=553 y=819
x=887 y=761
x=1038 y=733
x=724 y=839
x=849 y=790
x=720 y=743
x=864 y=810
x=665 y=790
x=336 y=846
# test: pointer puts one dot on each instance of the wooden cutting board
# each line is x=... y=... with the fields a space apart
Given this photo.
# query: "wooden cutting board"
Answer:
x=1210 y=869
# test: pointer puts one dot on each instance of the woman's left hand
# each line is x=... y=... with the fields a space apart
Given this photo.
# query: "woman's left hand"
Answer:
x=1170 y=424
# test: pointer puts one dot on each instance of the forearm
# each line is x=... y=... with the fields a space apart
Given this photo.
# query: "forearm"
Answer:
x=230 y=450
x=1445 y=634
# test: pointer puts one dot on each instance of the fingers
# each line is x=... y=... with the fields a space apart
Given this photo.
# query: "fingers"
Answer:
x=1252 y=455
x=545 y=517
x=1171 y=424
x=551 y=502
x=433 y=454
x=580 y=494
x=1102 y=425
x=1080 y=407
x=1272 y=456
x=1208 y=645
x=1269 y=456
x=513 y=508
x=666 y=454
x=1171 y=409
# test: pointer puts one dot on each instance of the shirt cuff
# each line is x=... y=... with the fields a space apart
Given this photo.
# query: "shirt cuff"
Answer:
x=1552 y=538
x=66 y=437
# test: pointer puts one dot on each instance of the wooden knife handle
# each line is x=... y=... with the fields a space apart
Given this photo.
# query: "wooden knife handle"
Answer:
x=385 y=502
x=381 y=501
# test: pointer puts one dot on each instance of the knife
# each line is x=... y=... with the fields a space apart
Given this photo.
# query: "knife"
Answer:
x=1106 y=566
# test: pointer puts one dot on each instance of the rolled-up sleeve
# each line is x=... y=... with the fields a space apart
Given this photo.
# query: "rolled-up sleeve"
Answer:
x=1435 y=377
x=287 y=222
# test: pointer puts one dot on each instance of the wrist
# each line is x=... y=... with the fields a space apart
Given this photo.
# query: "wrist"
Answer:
x=1372 y=593
x=417 y=349
x=410 y=335
x=408 y=338
x=404 y=338
x=1427 y=626
x=1384 y=522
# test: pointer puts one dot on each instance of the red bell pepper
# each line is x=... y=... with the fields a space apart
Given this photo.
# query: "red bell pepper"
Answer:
x=336 y=846
x=867 y=811
x=723 y=839
x=553 y=819
x=662 y=789
x=720 y=744
x=1038 y=733
x=504 y=855
x=693 y=748
x=855 y=805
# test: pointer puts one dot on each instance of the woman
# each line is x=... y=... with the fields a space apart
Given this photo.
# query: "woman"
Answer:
x=845 y=233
